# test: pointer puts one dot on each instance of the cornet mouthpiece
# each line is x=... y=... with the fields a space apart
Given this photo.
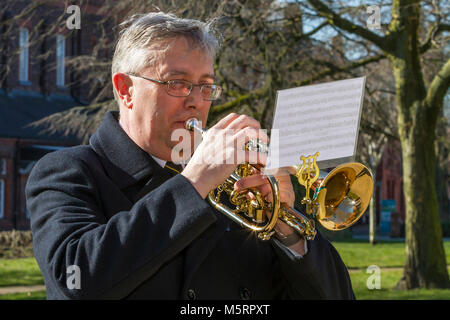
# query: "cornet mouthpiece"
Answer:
x=191 y=124
x=194 y=124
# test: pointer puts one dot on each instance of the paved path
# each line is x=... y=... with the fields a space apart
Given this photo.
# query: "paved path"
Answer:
x=354 y=270
x=20 y=289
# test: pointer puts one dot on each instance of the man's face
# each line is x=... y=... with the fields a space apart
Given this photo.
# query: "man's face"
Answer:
x=155 y=114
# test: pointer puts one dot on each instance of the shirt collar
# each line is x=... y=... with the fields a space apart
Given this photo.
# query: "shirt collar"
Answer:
x=159 y=161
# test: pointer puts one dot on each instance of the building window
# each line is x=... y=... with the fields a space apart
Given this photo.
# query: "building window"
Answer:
x=2 y=198
x=60 y=60
x=23 y=47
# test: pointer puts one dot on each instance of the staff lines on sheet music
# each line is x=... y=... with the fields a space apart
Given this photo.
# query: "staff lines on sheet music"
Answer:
x=286 y=132
x=305 y=92
x=310 y=140
x=327 y=94
x=323 y=150
x=318 y=120
x=300 y=102
x=353 y=83
x=335 y=102
x=311 y=108
x=338 y=108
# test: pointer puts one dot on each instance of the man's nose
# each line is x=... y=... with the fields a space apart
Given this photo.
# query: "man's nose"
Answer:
x=195 y=98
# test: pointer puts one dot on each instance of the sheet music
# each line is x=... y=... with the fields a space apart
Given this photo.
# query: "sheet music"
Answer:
x=323 y=117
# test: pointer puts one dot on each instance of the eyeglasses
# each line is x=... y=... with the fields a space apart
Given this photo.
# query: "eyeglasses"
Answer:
x=183 y=88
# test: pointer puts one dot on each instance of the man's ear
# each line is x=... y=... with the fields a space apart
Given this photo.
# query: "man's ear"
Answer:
x=123 y=86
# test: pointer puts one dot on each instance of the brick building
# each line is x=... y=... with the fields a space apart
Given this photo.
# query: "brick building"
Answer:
x=390 y=177
x=37 y=84
x=389 y=186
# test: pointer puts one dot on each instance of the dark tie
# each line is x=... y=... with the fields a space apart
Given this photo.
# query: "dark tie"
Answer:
x=173 y=168
x=155 y=181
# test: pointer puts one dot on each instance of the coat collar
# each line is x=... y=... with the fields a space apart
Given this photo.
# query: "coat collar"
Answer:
x=124 y=161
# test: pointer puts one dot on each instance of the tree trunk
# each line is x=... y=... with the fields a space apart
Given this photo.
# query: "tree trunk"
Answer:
x=425 y=257
x=425 y=265
x=442 y=173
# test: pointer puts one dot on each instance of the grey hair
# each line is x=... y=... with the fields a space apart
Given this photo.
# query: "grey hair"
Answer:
x=142 y=31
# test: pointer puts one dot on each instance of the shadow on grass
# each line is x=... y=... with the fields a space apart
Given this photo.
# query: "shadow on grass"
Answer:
x=20 y=278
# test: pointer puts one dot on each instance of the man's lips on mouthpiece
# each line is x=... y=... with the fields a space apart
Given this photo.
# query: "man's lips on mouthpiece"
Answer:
x=183 y=121
x=179 y=123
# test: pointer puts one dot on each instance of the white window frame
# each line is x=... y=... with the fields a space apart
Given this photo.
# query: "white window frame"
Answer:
x=2 y=198
x=23 y=54
x=60 y=60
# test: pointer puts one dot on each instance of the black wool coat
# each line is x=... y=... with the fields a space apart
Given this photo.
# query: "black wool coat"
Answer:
x=136 y=232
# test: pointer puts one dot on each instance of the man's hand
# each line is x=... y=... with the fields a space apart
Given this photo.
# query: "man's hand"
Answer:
x=259 y=181
x=222 y=150
x=287 y=196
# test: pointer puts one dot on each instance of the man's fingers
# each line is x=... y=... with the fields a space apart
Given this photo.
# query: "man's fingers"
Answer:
x=246 y=134
x=243 y=121
x=254 y=180
x=285 y=197
x=224 y=122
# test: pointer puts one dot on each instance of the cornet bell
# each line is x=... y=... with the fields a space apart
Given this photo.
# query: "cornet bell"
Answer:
x=344 y=195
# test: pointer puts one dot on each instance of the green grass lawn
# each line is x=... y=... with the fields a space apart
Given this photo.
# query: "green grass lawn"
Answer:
x=18 y=272
x=388 y=280
x=383 y=254
x=360 y=255
x=356 y=255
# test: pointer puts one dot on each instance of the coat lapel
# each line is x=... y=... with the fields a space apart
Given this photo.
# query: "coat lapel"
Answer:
x=137 y=173
x=124 y=161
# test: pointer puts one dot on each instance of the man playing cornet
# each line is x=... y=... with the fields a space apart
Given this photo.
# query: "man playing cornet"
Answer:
x=118 y=210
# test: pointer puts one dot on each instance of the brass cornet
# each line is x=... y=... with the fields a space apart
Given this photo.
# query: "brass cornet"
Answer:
x=339 y=200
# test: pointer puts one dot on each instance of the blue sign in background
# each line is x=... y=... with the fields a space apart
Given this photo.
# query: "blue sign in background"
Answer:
x=388 y=207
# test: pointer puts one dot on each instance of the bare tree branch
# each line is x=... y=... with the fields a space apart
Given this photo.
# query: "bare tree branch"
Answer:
x=333 y=69
x=432 y=33
x=335 y=19
x=438 y=88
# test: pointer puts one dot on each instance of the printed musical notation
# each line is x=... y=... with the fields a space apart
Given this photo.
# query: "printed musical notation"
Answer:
x=323 y=117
